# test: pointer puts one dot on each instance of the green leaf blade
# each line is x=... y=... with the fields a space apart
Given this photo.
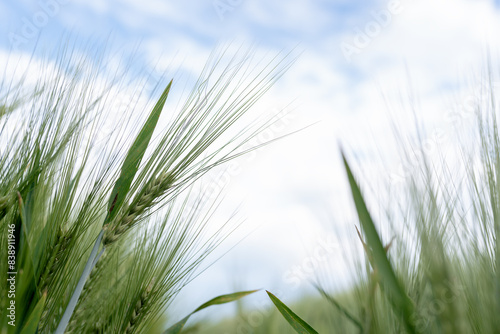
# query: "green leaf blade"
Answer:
x=223 y=299
x=388 y=280
x=93 y=258
x=31 y=325
x=294 y=320
x=134 y=157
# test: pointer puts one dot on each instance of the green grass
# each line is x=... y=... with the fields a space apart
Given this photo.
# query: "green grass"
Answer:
x=103 y=237
x=440 y=274
x=432 y=256
x=316 y=310
x=100 y=239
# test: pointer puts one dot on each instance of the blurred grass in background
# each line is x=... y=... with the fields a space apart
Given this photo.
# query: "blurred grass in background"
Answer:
x=432 y=256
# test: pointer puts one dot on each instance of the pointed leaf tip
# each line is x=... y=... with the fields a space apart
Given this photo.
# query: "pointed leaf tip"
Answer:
x=299 y=325
x=31 y=325
x=377 y=255
x=177 y=328
x=134 y=157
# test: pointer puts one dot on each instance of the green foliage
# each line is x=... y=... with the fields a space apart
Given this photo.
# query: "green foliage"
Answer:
x=378 y=258
x=134 y=157
x=299 y=325
x=61 y=193
x=31 y=325
x=317 y=311
x=177 y=328
x=438 y=271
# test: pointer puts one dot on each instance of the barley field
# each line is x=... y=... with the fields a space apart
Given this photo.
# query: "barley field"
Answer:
x=238 y=167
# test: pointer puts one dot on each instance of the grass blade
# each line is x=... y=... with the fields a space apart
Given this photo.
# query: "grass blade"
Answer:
x=31 y=325
x=294 y=320
x=177 y=328
x=388 y=280
x=134 y=157
x=79 y=287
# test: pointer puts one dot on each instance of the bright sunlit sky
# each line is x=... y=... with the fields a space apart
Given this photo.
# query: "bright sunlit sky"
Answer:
x=358 y=61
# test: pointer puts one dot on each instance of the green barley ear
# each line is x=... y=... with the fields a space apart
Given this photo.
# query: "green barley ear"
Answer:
x=144 y=200
x=87 y=272
x=120 y=191
x=139 y=308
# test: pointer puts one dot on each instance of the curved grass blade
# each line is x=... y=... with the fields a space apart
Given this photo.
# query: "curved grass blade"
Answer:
x=388 y=281
x=31 y=325
x=294 y=320
x=177 y=328
x=134 y=157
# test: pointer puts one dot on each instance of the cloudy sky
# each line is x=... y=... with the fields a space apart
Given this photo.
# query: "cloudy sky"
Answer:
x=359 y=63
